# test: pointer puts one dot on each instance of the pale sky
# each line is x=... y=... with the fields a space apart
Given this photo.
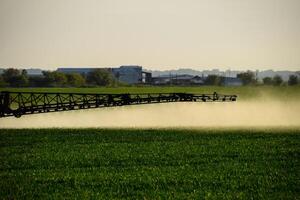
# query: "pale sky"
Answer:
x=157 y=34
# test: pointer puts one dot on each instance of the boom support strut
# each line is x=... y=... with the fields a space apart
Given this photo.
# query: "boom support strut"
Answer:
x=23 y=103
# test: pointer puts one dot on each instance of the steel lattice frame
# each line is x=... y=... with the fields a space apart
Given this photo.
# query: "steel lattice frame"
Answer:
x=23 y=103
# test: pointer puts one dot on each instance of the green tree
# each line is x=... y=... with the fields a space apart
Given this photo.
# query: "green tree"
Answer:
x=55 y=79
x=15 y=77
x=49 y=79
x=3 y=83
x=37 y=81
x=10 y=73
x=277 y=80
x=100 y=77
x=293 y=80
x=75 y=80
x=24 y=80
x=21 y=81
x=24 y=72
x=247 y=78
x=213 y=80
x=60 y=79
x=267 y=80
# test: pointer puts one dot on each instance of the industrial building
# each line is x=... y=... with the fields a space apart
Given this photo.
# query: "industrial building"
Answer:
x=134 y=74
x=70 y=70
x=232 y=81
x=131 y=74
x=128 y=74
x=187 y=79
x=184 y=79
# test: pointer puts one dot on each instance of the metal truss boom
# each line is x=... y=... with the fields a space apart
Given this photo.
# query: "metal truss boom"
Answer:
x=23 y=103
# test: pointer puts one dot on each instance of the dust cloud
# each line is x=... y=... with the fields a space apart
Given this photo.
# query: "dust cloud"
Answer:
x=169 y=115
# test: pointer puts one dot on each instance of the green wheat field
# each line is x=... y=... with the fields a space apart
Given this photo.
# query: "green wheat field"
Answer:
x=208 y=163
x=150 y=164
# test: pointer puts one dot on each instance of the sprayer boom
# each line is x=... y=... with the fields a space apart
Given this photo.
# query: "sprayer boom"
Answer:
x=23 y=103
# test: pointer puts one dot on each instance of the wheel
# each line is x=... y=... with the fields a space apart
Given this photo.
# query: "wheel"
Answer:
x=17 y=114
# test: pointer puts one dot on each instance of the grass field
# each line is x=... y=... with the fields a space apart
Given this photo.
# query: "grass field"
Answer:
x=244 y=93
x=147 y=164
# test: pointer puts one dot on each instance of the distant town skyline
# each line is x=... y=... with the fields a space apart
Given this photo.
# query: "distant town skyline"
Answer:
x=166 y=69
x=158 y=35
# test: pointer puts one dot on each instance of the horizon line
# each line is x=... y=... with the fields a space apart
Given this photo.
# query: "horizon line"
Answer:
x=155 y=69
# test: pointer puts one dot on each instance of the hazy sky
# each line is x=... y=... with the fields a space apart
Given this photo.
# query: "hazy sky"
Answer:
x=157 y=34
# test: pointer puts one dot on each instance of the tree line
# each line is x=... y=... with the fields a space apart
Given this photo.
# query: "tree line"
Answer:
x=100 y=77
x=19 y=78
x=249 y=78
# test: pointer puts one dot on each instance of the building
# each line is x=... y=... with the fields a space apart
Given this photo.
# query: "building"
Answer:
x=161 y=80
x=184 y=79
x=187 y=79
x=34 y=72
x=82 y=71
x=130 y=74
x=232 y=81
x=30 y=72
x=147 y=77
x=197 y=80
